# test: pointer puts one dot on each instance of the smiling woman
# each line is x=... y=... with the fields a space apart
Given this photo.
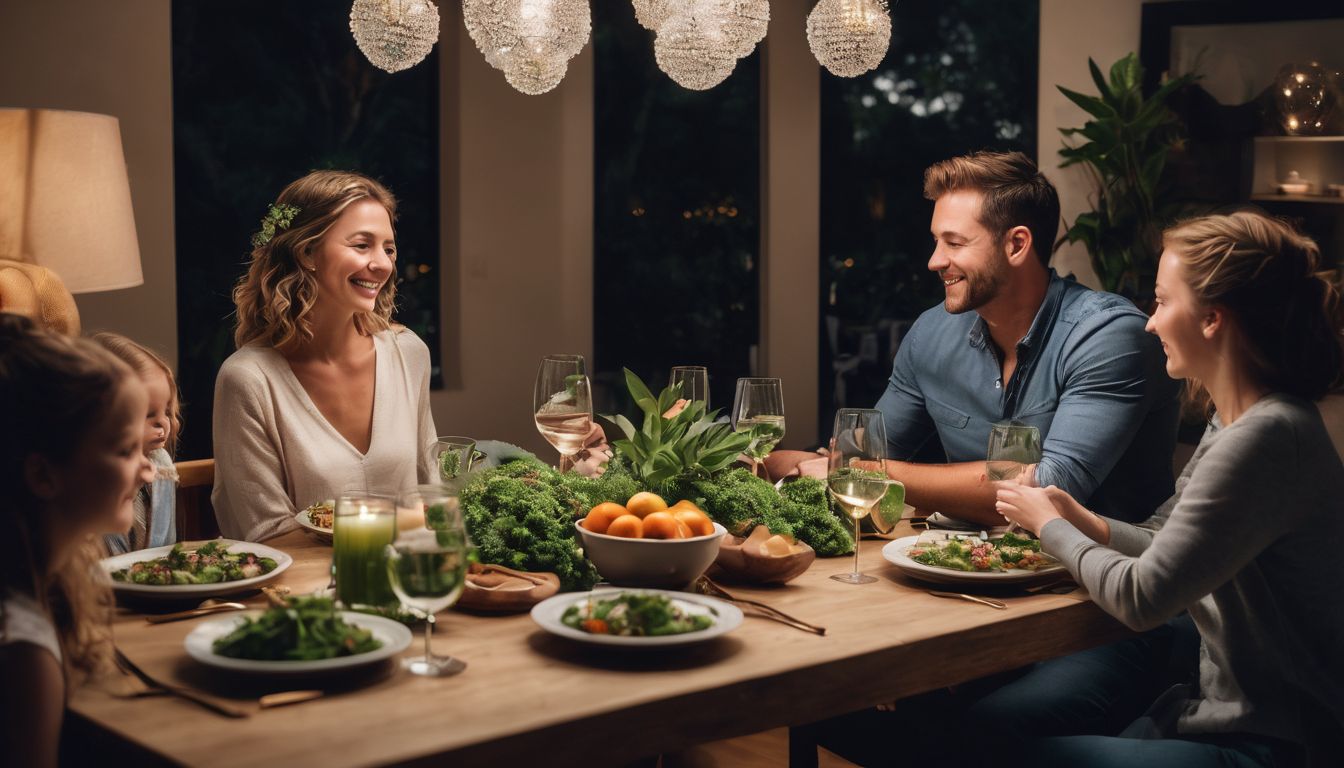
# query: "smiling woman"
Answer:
x=324 y=394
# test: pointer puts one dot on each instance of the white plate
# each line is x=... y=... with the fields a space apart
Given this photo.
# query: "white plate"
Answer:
x=395 y=638
x=302 y=519
x=727 y=617
x=895 y=553
x=183 y=591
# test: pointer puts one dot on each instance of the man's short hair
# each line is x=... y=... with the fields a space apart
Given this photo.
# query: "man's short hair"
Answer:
x=1016 y=194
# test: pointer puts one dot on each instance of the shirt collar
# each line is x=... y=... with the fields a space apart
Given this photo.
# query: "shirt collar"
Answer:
x=1040 y=327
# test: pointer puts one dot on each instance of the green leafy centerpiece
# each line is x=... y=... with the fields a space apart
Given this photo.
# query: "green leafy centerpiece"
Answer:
x=521 y=514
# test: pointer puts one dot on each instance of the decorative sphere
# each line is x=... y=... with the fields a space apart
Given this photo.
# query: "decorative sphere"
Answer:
x=1304 y=97
x=395 y=36
x=745 y=23
x=652 y=13
x=693 y=50
x=849 y=37
x=535 y=75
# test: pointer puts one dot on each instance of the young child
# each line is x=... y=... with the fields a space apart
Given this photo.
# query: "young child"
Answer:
x=70 y=462
x=155 y=522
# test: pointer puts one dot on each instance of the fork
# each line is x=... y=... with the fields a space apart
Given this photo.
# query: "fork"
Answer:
x=128 y=666
x=707 y=586
x=999 y=604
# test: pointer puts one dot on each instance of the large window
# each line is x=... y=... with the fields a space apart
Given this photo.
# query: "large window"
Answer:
x=676 y=216
x=958 y=77
x=264 y=92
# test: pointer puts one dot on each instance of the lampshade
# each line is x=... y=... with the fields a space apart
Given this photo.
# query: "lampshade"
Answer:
x=65 y=200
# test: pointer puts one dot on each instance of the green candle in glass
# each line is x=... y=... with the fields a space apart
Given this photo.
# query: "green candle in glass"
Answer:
x=363 y=526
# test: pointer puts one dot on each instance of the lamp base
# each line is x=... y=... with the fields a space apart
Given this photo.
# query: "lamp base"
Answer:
x=36 y=292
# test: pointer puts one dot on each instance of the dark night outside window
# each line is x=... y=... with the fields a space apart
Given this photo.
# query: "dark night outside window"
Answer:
x=264 y=92
x=676 y=217
x=958 y=77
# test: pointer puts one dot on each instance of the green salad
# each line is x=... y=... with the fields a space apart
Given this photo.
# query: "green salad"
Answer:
x=633 y=614
x=306 y=629
x=1008 y=552
x=209 y=564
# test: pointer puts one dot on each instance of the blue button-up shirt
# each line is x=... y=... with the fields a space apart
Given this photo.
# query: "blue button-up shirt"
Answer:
x=1088 y=376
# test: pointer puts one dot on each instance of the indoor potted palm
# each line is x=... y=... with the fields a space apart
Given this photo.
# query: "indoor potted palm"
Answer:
x=1125 y=145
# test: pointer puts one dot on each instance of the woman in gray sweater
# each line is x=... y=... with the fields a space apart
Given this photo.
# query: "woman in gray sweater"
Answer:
x=1248 y=544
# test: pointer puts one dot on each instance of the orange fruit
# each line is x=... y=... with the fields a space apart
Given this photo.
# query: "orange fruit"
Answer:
x=643 y=504
x=662 y=525
x=698 y=522
x=685 y=504
x=626 y=526
x=600 y=517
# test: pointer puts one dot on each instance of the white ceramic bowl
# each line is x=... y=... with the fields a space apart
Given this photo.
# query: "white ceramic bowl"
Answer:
x=650 y=562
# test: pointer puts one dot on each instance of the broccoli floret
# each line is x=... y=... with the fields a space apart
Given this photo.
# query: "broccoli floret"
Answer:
x=807 y=506
x=739 y=501
x=520 y=515
x=210 y=574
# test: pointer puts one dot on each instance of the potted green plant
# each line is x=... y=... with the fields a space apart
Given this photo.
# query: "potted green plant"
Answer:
x=1125 y=146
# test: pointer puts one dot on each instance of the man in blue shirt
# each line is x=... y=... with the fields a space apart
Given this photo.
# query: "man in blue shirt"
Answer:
x=1013 y=340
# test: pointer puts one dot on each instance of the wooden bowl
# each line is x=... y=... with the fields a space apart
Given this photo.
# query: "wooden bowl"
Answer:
x=742 y=564
x=496 y=589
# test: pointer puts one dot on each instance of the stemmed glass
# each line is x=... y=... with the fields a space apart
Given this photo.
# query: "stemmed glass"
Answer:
x=453 y=456
x=694 y=381
x=758 y=407
x=427 y=568
x=563 y=405
x=857 y=476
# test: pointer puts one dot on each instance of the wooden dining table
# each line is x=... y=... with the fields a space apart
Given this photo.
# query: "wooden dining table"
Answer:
x=528 y=697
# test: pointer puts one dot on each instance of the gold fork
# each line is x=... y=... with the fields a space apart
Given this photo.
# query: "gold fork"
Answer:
x=707 y=586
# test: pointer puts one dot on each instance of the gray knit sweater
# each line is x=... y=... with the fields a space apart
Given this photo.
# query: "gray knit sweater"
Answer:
x=1251 y=546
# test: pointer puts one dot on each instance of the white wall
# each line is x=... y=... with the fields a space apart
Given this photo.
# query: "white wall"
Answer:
x=518 y=223
x=1071 y=31
x=114 y=59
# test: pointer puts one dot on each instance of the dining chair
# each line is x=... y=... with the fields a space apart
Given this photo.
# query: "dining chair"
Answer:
x=195 y=514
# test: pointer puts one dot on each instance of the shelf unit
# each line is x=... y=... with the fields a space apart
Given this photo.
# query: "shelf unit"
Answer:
x=1318 y=159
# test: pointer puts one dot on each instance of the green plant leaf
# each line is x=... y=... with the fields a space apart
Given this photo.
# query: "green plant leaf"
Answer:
x=1093 y=106
x=640 y=393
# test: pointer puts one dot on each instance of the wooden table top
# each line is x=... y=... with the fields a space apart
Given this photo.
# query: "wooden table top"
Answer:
x=526 y=694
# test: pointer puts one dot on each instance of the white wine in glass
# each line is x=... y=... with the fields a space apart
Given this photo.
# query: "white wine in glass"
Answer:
x=563 y=404
x=857 y=478
x=758 y=408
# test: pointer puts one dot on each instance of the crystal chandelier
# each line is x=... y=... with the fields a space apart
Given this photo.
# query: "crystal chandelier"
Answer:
x=849 y=37
x=692 y=48
x=700 y=41
x=532 y=41
x=395 y=34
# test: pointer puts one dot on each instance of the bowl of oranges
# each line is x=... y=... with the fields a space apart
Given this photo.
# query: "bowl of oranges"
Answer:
x=646 y=543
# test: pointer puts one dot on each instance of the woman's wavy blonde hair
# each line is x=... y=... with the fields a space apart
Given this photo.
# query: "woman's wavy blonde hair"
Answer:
x=275 y=296
x=55 y=389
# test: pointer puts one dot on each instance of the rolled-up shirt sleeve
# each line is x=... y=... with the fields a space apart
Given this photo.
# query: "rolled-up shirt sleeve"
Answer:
x=903 y=411
x=1102 y=404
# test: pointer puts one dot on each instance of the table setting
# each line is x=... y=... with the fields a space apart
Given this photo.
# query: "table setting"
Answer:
x=615 y=584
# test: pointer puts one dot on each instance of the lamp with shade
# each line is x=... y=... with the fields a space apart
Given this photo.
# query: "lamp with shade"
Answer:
x=66 y=224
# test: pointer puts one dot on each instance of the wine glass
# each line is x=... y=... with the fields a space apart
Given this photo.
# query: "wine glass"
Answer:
x=758 y=408
x=427 y=567
x=857 y=476
x=694 y=381
x=1013 y=446
x=563 y=405
x=453 y=456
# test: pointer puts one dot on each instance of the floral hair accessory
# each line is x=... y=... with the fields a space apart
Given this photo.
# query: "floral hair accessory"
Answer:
x=280 y=216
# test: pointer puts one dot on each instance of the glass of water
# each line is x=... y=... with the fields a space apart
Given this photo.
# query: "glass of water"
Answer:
x=1013 y=446
x=427 y=567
